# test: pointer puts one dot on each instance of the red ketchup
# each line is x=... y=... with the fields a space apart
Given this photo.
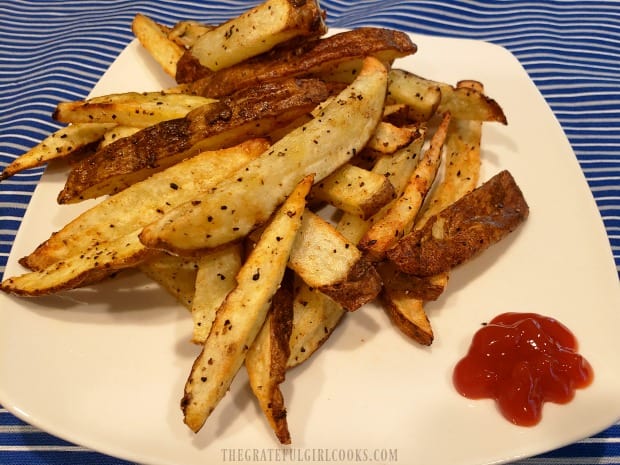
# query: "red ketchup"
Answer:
x=522 y=360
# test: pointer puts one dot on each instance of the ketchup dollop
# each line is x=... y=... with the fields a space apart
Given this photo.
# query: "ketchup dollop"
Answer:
x=522 y=360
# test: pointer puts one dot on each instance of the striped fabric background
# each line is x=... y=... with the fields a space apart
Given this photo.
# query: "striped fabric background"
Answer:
x=53 y=50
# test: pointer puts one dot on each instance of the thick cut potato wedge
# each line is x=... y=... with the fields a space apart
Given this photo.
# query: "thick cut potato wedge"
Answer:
x=266 y=362
x=258 y=30
x=421 y=97
x=79 y=270
x=216 y=277
x=154 y=38
x=245 y=115
x=308 y=58
x=186 y=33
x=61 y=144
x=133 y=109
x=401 y=214
x=463 y=229
x=235 y=207
x=116 y=133
x=143 y=203
x=354 y=190
x=315 y=316
x=177 y=275
x=243 y=312
x=404 y=296
x=463 y=101
x=328 y=262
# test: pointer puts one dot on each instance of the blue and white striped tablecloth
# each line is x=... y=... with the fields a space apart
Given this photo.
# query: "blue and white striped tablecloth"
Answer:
x=52 y=50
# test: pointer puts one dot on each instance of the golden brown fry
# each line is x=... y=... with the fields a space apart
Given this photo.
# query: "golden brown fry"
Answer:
x=404 y=300
x=266 y=362
x=237 y=206
x=243 y=312
x=82 y=269
x=258 y=30
x=463 y=101
x=422 y=97
x=186 y=33
x=388 y=138
x=177 y=275
x=354 y=190
x=216 y=277
x=310 y=57
x=462 y=166
x=326 y=261
x=315 y=316
x=463 y=229
x=400 y=216
x=155 y=40
x=143 y=203
x=250 y=113
x=60 y=144
x=133 y=109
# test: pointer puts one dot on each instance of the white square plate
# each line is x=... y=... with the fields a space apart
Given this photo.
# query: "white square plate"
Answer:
x=105 y=366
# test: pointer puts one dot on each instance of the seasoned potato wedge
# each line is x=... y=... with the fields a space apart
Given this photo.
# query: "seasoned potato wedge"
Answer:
x=243 y=312
x=266 y=362
x=401 y=214
x=235 y=207
x=175 y=274
x=155 y=40
x=258 y=30
x=245 y=115
x=133 y=109
x=354 y=190
x=143 y=203
x=61 y=144
x=215 y=278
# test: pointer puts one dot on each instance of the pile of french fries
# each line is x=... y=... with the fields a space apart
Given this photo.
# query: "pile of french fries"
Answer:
x=217 y=188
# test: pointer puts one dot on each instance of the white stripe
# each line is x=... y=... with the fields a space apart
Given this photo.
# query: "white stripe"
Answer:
x=571 y=461
x=43 y=449
x=13 y=429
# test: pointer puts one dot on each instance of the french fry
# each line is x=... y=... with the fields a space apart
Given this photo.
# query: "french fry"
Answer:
x=422 y=97
x=463 y=229
x=266 y=362
x=243 y=312
x=60 y=144
x=133 y=109
x=308 y=58
x=215 y=278
x=237 y=206
x=85 y=268
x=462 y=101
x=186 y=33
x=315 y=316
x=258 y=30
x=326 y=261
x=245 y=115
x=401 y=214
x=388 y=138
x=116 y=133
x=155 y=40
x=142 y=203
x=354 y=190
x=177 y=275
x=403 y=301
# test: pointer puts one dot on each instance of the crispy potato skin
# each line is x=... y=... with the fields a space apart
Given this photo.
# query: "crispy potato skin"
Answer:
x=157 y=147
x=464 y=229
x=301 y=59
x=362 y=285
